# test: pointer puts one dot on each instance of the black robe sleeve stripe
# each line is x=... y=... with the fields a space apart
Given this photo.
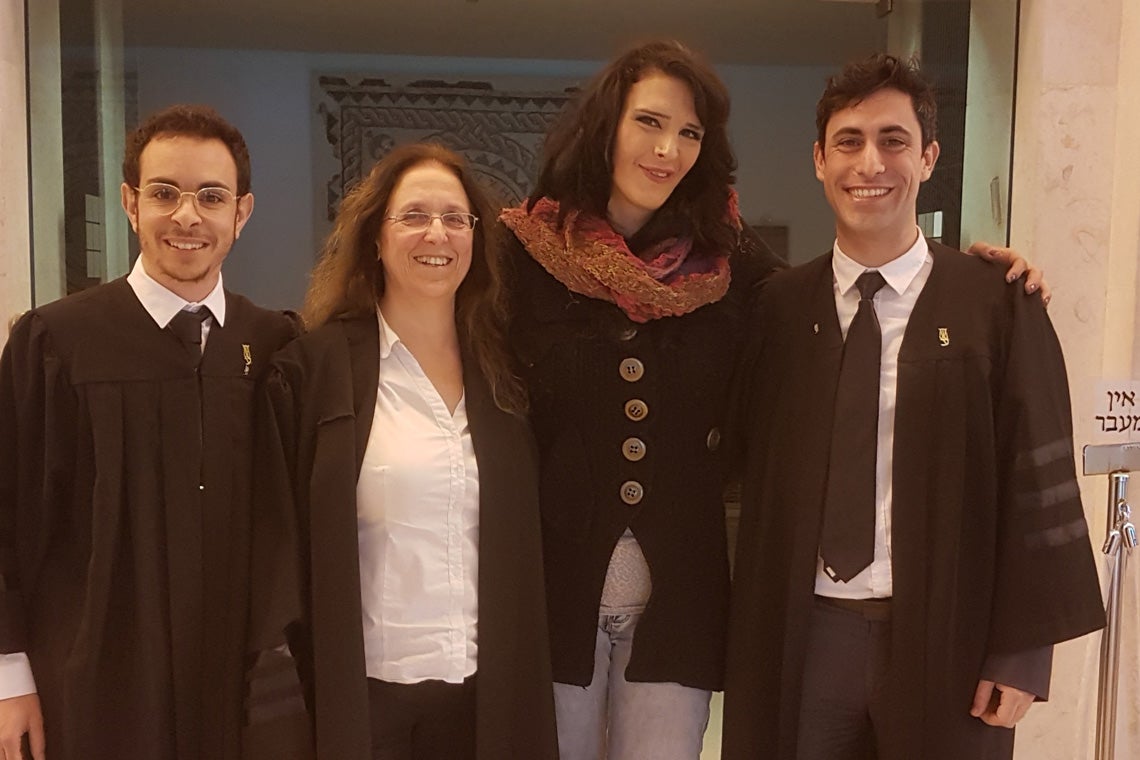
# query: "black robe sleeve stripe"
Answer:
x=1060 y=450
x=1075 y=530
x=1064 y=495
x=1043 y=549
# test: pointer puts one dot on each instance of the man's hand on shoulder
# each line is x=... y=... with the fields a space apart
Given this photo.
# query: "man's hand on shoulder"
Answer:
x=18 y=716
x=1000 y=705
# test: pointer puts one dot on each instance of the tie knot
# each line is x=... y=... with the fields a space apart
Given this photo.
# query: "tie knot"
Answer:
x=869 y=284
x=187 y=325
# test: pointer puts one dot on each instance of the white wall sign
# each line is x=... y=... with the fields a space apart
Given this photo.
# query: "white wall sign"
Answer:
x=1116 y=414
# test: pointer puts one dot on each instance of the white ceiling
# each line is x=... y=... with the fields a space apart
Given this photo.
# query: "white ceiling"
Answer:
x=790 y=32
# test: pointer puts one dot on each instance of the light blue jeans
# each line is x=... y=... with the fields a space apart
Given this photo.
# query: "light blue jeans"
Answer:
x=614 y=719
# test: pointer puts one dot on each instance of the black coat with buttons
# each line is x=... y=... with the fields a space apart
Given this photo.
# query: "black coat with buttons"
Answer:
x=628 y=419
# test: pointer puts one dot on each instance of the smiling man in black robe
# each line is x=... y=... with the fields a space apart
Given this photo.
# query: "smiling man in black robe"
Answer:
x=125 y=448
x=913 y=541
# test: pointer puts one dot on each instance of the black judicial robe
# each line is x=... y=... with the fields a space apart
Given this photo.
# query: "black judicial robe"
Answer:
x=319 y=403
x=990 y=549
x=124 y=522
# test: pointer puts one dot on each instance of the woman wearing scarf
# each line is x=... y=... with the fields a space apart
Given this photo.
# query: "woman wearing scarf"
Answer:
x=633 y=273
x=633 y=276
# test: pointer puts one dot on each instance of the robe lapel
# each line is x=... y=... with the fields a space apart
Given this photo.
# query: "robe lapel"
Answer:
x=921 y=339
x=363 y=338
x=916 y=405
x=338 y=661
x=490 y=436
x=481 y=409
x=818 y=354
x=929 y=360
x=223 y=355
x=815 y=357
x=505 y=491
x=822 y=338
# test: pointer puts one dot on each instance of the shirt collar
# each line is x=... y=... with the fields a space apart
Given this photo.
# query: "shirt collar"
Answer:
x=898 y=272
x=162 y=304
x=388 y=336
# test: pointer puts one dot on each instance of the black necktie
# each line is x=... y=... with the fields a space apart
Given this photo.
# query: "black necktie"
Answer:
x=847 y=544
x=187 y=325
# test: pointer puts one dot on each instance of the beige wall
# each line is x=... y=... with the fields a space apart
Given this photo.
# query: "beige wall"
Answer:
x=1076 y=212
x=989 y=131
x=15 y=260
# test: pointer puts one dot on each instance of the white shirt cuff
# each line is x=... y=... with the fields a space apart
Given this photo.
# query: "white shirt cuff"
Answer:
x=16 y=676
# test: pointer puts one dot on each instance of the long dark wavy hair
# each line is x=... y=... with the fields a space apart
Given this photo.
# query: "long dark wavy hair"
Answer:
x=578 y=172
x=349 y=279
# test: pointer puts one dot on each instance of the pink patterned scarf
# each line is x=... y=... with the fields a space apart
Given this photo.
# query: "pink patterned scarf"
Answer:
x=587 y=256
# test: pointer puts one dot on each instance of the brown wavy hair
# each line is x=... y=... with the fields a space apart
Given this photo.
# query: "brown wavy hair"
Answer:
x=578 y=172
x=349 y=279
x=860 y=80
x=181 y=120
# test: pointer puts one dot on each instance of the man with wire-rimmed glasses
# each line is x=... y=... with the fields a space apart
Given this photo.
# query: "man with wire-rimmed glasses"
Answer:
x=125 y=446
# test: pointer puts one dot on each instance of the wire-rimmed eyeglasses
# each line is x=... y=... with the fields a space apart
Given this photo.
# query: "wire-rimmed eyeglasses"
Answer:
x=456 y=221
x=165 y=198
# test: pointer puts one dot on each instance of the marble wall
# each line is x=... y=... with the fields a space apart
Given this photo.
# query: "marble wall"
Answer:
x=15 y=261
x=1076 y=212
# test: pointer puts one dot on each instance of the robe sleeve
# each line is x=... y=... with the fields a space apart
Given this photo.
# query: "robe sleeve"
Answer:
x=761 y=264
x=277 y=725
x=37 y=407
x=1030 y=671
x=1046 y=588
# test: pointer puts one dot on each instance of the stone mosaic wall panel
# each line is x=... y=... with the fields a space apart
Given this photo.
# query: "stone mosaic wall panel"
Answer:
x=500 y=131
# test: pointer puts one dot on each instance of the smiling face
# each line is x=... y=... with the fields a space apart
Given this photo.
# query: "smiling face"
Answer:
x=424 y=264
x=871 y=166
x=183 y=251
x=657 y=142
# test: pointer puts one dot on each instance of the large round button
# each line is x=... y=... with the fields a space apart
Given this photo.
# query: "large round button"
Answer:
x=632 y=369
x=713 y=439
x=636 y=409
x=633 y=449
x=632 y=492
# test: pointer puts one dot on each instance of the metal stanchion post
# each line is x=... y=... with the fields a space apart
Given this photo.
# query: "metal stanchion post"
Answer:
x=1117 y=461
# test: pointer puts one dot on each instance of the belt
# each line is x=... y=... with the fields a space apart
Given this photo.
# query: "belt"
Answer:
x=878 y=610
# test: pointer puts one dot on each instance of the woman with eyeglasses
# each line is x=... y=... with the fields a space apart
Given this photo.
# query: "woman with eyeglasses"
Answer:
x=396 y=436
x=633 y=275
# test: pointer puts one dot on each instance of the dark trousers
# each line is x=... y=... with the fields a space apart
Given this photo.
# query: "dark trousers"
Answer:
x=844 y=700
x=431 y=720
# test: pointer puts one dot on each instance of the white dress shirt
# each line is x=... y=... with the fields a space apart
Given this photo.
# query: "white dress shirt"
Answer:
x=906 y=276
x=162 y=304
x=417 y=508
x=15 y=670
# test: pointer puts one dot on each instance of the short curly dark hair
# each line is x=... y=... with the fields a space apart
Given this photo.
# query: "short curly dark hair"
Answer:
x=860 y=79
x=189 y=121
